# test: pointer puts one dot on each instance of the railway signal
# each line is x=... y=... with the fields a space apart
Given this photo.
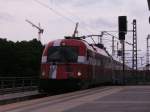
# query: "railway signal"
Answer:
x=148 y=4
x=148 y=1
x=37 y=27
x=122 y=26
x=122 y=22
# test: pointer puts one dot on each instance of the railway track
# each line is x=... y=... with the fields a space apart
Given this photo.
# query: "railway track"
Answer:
x=54 y=101
x=19 y=96
x=10 y=95
x=17 y=89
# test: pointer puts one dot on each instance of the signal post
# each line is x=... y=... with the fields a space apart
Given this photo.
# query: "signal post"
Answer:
x=122 y=23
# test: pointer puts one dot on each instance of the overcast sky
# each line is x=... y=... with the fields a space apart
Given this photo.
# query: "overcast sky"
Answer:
x=58 y=18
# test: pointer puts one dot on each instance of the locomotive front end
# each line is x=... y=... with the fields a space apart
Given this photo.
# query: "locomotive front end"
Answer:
x=63 y=65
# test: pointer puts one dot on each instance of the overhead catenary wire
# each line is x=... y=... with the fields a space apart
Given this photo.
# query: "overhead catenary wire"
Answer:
x=54 y=11
x=117 y=37
x=60 y=14
x=85 y=25
x=66 y=17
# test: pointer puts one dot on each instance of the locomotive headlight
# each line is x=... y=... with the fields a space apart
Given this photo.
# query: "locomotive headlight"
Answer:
x=63 y=44
x=79 y=74
x=43 y=73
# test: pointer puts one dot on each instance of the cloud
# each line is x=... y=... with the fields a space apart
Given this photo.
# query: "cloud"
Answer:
x=6 y=17
x=99 y=22
x=102 y=24
x=75 y=3
x=97 y=14
x=83 y=3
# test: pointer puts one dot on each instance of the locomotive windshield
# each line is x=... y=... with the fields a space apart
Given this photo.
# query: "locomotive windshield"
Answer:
x=62 y=54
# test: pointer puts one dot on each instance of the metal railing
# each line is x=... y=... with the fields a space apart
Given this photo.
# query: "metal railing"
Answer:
x=131 y=78
x=13 y=84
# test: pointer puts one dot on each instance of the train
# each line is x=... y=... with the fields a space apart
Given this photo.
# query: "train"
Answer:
x=74 y=63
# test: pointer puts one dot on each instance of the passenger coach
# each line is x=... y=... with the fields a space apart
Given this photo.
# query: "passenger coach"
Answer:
x=73 y=63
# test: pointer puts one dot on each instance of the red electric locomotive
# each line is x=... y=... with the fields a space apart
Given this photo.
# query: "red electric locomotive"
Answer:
x=73 y=63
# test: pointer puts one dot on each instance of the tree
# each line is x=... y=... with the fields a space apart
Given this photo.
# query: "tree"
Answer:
x=20 y=58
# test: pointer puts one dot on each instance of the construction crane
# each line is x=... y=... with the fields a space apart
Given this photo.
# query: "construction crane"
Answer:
x=38 y=27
